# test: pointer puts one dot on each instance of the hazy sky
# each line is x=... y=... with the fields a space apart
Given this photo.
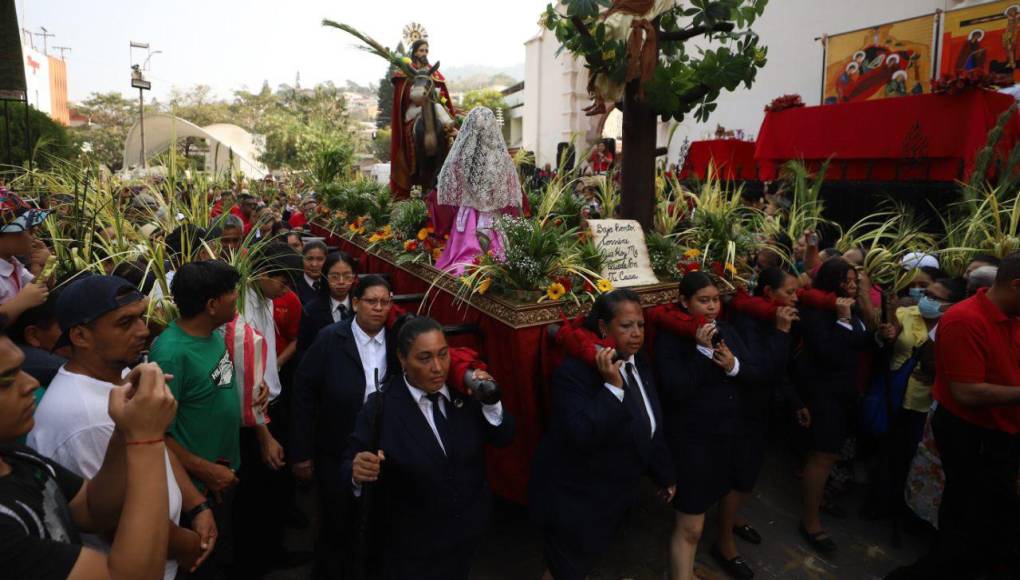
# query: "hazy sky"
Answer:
x=230 y=44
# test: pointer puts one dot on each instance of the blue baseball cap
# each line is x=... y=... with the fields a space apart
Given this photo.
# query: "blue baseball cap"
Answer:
x=88 y=298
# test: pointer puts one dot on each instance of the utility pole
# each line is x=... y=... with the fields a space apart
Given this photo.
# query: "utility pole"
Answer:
x=45 y=34
x=63 y=51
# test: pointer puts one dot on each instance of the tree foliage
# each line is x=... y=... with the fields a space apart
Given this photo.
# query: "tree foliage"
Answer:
x=686 y=79
x=489 y=98
x=49 y=139
x=384 y=98
x=381 y=145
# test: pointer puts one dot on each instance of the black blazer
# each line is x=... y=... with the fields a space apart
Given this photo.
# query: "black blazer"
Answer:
x=589 y=464
x=428 y=504
x=316 y=315
x=305 y=292
x=771 y=349
x=830 y=360
x=697 y=396
x=329 y=388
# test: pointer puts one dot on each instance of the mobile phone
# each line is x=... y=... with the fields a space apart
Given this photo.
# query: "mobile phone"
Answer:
x=616 y=354
x=717 y=339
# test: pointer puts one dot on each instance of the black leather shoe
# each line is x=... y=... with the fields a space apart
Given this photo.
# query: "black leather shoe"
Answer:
x=820 y=541
x=735 y=567
x=748 y=534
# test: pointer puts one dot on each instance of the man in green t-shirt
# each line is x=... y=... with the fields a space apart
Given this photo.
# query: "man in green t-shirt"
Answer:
x=205 y=435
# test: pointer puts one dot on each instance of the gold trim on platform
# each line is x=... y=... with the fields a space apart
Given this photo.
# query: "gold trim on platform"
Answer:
x=513 y=314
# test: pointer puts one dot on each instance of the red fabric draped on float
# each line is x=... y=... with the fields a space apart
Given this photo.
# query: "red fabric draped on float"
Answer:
x=733 y=159
x=516 y=358
x=915 y=138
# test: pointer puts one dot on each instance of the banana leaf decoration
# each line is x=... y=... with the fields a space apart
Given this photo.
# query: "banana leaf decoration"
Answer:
x=403 y=63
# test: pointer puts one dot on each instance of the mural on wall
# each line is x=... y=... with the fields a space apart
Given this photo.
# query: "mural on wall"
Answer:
x=890 y=60
x=985 y=38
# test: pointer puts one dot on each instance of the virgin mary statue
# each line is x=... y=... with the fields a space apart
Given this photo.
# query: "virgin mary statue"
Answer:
x=478 y=178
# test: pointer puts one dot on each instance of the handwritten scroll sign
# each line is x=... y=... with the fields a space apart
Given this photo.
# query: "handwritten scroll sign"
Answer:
x=627 y=261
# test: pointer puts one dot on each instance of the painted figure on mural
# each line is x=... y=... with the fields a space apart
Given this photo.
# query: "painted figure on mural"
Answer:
x=897 y=85
x=1009 y=36
x=424 y=120
x=972 y=56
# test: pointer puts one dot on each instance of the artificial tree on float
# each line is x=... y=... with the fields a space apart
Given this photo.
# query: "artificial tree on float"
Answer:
x=637 y=59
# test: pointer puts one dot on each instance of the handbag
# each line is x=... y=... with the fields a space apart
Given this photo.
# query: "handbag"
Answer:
x=885 y=398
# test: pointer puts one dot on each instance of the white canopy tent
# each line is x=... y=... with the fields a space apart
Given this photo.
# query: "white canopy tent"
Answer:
x=230 y=146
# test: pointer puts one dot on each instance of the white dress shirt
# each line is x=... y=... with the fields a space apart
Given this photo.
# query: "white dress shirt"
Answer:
x=310 y=281
x=493 y=413
x=710 y=353
x=619 y=393
x=372 y=350
x=334 y=307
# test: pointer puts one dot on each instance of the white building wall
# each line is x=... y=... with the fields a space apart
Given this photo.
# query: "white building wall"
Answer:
x=555 y=86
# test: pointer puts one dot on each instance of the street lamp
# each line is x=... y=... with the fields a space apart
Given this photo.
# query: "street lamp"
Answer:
x=139 y=82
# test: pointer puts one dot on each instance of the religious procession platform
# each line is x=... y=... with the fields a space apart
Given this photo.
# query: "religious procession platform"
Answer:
x=512 y=339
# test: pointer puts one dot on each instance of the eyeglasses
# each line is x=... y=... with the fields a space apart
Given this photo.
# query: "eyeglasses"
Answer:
x=341 y=277
x=377 y=302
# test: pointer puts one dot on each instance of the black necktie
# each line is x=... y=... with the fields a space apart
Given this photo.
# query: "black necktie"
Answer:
x=637 y=400
x=439 y=418
x=342 y=311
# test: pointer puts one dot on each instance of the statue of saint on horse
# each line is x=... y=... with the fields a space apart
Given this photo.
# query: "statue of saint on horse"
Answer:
x=423 y=124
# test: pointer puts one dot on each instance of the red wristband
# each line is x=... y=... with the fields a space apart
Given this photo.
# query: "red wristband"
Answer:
x=148 y=442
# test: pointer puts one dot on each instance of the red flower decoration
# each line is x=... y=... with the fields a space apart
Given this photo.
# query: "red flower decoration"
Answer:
x=717 y=269
x=567 y=283
x=961 y=81
x=691 y=267
x=588 y=287
x=784 y=102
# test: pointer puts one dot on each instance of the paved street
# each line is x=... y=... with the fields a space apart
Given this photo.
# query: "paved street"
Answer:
x=512 y=549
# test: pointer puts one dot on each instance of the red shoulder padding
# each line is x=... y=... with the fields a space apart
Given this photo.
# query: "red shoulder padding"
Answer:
x=817 y=299
x=573 y=339
x=462 y=360
x=754 y=306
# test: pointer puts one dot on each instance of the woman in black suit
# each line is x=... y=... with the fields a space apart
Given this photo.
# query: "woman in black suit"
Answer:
x=605 y=432
x=700 y=380
x=333 y=301
x=309 y=283
x=827 y=371
x=769 y=341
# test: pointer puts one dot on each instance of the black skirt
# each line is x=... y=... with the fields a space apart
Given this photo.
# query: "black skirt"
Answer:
x=706 y=467
x=832 y=420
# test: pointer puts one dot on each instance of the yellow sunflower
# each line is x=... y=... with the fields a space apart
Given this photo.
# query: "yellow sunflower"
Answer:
x=692 y=254
x=484 y=286
x=422 y=234
x=555 y=291
x=730 y=269
x=604 y=286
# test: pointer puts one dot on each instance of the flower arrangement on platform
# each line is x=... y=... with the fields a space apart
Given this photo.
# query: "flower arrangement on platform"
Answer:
x=409 y=235
x=783 y=103
x=961 y=81
x=541 y=262
x=356 y=207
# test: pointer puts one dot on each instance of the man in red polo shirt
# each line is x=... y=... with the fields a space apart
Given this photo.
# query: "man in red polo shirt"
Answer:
x=977 y=430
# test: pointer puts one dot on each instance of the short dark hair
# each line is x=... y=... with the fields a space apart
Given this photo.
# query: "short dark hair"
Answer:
x=607 y=305
x=195 y=284
x=933 y=272
x=986 y=259
x=957 y=288
x=770 y=278
x=832 y=275
x=316 y=245
x=41 y=316
x=370 y=281
x=183 y=242
x=1009 y=270
x=276 y=259
x=412 y=329
x=694 y=282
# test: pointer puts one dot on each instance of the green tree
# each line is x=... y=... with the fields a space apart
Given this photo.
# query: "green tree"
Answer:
x=200 y=106
x=685 y=80
x=48 y=138
x=110 y=117
x=490 y=98
x=384 y=100
x=381 y=144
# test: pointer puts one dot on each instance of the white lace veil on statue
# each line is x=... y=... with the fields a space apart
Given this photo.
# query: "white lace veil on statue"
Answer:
x=479 y=172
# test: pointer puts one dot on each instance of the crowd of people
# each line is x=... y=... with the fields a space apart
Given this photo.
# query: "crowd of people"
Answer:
x=133 y=449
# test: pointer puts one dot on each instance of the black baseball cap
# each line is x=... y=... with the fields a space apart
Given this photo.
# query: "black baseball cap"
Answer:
x=88 y=298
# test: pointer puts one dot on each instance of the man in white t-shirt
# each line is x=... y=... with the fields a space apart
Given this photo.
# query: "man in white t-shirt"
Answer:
x=101 y=318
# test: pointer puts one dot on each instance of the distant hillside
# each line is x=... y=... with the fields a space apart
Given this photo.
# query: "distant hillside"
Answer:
x=471 y=77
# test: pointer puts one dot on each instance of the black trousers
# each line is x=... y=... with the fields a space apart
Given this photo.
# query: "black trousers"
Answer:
x=220 y=563
x=264 y=498
x=338 y=520
x=979 y=518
